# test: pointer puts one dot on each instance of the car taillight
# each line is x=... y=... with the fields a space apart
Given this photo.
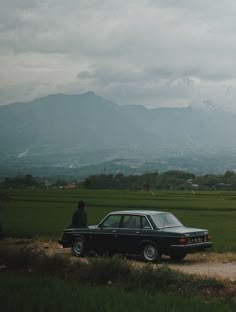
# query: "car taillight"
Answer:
x=208 y=237
x=183 y=241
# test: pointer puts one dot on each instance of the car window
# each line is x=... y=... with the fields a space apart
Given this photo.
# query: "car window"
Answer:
x=165 y=220
x=145 y=224
x=131 y=222
x=112 y=221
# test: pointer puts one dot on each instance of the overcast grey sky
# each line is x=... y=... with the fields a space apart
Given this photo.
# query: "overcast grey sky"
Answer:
x=149 y=52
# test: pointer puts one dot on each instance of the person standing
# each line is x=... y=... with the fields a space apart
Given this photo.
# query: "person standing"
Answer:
x=79 y=218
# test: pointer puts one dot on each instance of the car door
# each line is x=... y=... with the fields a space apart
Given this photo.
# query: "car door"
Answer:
x=147 y=232
x=105 y=237
x=129 y=234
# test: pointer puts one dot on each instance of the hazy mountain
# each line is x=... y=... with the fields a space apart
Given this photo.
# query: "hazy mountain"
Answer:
x=77 y=130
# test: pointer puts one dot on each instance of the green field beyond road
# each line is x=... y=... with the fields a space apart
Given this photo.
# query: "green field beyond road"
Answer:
x=45 y=213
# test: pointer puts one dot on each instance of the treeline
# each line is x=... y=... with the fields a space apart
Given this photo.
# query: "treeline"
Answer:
x=169 y=180
x=28 y=181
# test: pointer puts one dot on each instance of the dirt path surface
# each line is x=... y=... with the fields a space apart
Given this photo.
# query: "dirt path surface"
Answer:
x=221 y=266
x=222 y=270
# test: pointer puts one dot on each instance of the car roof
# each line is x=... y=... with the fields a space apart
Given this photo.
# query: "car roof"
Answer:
x=138 y=212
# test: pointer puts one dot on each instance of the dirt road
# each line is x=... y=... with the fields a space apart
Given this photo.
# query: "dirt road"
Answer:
x=221 y=270
x=222 y=266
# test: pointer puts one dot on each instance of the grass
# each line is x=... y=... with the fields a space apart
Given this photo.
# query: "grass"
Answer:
x=40 y=294
x=106 y=271
x=31 y=280
x=45 y=213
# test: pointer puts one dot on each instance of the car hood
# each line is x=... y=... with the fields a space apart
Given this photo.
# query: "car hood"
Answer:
x=185 y=230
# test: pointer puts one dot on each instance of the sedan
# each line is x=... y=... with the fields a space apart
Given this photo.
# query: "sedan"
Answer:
x=150 y=234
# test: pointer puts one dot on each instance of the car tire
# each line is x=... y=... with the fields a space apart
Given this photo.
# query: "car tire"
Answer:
x=78 y=247
x=150 y=253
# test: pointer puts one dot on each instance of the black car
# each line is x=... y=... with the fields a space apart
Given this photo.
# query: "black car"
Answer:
x=146 y=233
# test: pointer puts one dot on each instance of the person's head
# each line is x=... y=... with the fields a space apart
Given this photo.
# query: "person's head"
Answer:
x=81 y=204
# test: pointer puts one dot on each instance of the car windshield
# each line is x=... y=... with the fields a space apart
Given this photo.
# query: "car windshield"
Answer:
x=165 y=220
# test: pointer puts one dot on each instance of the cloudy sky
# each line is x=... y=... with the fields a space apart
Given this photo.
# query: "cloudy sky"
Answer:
x=149 y=52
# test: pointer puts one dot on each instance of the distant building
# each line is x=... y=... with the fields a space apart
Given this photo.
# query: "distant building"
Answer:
x=70 y=186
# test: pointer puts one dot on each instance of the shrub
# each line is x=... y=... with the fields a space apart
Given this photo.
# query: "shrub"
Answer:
x=19 y=258
x=157 y=279
x=106 y=270
x=54 y=264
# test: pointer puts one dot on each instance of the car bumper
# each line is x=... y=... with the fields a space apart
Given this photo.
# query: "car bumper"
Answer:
x=191 y=247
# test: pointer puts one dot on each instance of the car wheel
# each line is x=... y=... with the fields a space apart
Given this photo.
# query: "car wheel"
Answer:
x=78 y=247
x=177 y=257
x=150 y=253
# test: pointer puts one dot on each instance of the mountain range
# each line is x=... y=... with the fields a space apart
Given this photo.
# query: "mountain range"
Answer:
x=69 y=133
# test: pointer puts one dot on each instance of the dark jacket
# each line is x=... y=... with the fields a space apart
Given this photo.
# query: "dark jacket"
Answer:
x=79 y=218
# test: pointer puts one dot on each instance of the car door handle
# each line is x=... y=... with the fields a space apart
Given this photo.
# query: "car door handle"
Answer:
x=137 y=232
x=114 y=231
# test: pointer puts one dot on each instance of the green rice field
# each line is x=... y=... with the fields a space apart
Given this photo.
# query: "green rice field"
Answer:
x=45 y=213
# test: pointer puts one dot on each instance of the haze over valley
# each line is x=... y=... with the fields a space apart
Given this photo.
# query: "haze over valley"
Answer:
x=84 y=134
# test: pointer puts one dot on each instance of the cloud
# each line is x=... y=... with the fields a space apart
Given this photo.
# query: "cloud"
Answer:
x=155 y=53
